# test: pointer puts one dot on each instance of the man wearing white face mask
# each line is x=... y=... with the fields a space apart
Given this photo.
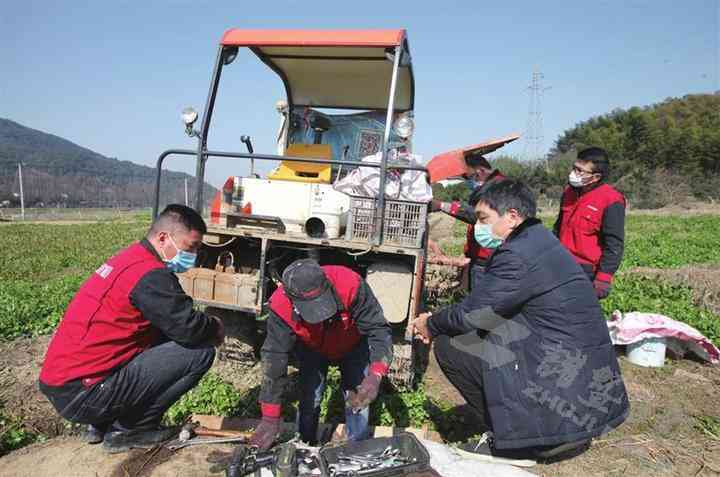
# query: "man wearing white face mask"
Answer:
x=591 y=222
x=529 y=347
x=130 y=343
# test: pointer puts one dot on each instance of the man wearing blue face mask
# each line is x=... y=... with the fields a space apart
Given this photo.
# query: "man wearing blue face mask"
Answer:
x=529 y=348
x=130 y=343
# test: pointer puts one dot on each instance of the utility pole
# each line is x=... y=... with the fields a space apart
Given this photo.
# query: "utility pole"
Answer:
x=22 y=195
x=533 y=147
x=186 y=192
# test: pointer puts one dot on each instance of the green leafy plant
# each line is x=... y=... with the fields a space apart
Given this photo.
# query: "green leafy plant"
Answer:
x=212 y=395
x=709 y=425
x=13 y=435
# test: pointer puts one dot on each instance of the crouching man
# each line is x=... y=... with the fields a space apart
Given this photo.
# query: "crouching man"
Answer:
x=130 y=343
x=325 y=315
x=529 y=349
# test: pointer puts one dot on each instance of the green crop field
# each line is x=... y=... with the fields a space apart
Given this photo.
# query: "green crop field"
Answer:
x=44 y=264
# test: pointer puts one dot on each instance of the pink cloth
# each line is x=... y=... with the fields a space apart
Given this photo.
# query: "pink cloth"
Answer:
x=633 y=327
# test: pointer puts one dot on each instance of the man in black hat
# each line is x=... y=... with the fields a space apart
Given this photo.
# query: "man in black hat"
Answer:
x=326 y=314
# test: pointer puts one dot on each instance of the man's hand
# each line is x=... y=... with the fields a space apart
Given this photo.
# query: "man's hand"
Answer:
x=602 y=288
x=435 y=205
x=420 y=328
x=366 y=392
x=266 y=432
x=220 y=335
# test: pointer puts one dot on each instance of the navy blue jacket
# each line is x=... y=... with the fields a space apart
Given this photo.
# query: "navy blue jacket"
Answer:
x=550 y=374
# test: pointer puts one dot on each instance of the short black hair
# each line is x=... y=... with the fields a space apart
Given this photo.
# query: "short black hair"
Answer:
x=475 y=160
x=504 y=195
x=598 y=157
x=178 y=215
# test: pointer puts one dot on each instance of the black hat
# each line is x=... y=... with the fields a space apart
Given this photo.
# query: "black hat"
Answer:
x=309 y=290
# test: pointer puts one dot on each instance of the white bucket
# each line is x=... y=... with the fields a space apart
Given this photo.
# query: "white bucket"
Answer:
x=648 y=352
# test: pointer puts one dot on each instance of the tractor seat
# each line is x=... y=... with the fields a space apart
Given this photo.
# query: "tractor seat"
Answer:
x=305 y=171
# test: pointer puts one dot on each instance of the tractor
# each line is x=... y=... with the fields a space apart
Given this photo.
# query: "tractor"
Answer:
x=349 y=96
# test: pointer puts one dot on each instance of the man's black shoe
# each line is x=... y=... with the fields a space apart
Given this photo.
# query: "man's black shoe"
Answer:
x=484 y=450
x=122 y=441
x=562 y=451
x=94 y=434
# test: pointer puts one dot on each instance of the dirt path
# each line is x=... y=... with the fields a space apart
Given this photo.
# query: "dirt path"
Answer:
x=66 y=456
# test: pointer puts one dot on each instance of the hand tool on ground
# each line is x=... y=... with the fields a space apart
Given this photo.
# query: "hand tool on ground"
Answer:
x=175 y=445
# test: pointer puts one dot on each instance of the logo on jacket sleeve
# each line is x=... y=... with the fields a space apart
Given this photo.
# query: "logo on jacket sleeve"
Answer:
x=104 y=270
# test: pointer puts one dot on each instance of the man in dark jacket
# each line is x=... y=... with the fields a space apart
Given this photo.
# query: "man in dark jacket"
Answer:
x=591 y=222
x=530 y=350
x=130 y=343
x=479 y=172
x=326 y=315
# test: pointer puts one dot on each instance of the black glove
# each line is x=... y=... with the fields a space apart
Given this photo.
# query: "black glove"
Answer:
x=266 y=432
x=602 y=288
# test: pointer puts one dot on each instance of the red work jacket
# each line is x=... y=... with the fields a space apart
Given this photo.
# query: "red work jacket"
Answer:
x=582 y=216
x=101 y=329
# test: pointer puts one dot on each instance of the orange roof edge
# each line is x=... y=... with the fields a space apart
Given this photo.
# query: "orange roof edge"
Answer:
x=452 y=163
x=349 y=38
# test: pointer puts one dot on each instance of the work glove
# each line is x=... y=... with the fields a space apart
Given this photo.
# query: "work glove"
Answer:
x=602 y=288
x=366 y=392
x=266 y=432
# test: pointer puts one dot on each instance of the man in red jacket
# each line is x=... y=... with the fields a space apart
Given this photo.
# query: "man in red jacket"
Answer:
x=479 y=172
x=591 y=222
x=130 y=343
x=325 y=315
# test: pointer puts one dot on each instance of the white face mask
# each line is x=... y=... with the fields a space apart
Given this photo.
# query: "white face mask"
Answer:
x=575 y=180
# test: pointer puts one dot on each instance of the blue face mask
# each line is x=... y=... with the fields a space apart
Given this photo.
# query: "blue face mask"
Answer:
x=472 y=184
x=182 y=261
x=484 y=236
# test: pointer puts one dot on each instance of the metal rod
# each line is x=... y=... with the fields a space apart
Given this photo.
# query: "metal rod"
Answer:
x=380 y=218
x=22 y=194
x=262 y=157
x=202 y=140
x=272 y=157
x=186 y=192
x=158 y=174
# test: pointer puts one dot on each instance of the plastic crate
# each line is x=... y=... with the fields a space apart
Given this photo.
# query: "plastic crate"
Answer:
x=404 y=225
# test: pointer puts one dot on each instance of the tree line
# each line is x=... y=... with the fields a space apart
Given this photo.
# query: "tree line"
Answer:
x=660 y=154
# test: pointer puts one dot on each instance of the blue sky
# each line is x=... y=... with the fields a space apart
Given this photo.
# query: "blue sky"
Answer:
x=114 y=76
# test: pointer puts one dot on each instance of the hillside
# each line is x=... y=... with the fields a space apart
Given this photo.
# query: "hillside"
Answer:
x=678 y=138
x=660 y=154
x=59 y=172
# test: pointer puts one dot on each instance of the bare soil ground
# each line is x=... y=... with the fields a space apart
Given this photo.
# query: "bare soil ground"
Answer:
x=661 y=437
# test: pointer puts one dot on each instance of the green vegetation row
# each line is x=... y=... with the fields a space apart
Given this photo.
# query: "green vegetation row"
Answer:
x=404 y=409
x=42 y=266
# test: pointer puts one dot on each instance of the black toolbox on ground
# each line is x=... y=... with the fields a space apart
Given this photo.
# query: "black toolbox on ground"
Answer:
x=409 y=446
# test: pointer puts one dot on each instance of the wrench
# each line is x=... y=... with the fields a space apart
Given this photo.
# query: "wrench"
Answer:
x=198 y=441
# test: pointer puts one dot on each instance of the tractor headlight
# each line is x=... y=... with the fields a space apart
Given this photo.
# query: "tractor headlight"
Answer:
x=404 y=125
x=189 y=116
